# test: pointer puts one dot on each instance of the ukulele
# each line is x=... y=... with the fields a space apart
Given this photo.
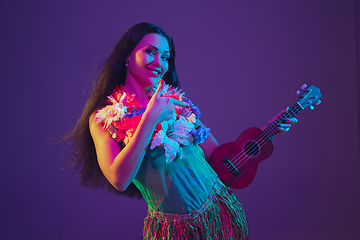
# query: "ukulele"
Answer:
x=236 y=162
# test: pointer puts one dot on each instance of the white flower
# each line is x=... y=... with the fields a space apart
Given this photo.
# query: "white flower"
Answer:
x=173 y=135
x=112 y=113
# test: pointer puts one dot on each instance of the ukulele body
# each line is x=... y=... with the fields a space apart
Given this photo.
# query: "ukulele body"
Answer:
x=236 y=162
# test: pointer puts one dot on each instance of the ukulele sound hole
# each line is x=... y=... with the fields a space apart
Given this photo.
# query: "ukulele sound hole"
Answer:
x=251 y=148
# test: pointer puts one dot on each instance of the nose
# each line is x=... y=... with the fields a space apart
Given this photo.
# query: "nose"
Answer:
x=156 y=61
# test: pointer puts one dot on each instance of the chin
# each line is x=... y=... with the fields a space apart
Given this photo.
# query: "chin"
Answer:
x=154 y=82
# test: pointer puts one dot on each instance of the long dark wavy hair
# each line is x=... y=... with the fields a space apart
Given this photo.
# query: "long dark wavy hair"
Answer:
x=113 y=73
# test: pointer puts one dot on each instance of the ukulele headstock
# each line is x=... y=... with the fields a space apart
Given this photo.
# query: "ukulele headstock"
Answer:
x=309 y=96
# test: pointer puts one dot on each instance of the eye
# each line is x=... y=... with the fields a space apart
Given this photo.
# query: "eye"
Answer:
x=165 y=58
x=150 y=51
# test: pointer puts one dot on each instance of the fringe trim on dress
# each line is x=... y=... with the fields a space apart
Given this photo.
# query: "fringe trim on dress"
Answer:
x=221 y=216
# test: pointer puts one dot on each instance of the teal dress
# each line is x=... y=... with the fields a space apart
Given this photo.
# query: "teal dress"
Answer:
x=178 y=187
x=185 y=197
x=186 y=200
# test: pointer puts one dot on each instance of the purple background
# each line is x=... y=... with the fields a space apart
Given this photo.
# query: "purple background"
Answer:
x=240 y=61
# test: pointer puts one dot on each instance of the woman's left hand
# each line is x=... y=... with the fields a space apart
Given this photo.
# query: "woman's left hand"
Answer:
x=285 y=125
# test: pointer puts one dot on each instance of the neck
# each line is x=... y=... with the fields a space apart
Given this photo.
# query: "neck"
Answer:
x=132 y=87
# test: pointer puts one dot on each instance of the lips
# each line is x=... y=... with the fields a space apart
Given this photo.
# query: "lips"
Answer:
x=154 y=72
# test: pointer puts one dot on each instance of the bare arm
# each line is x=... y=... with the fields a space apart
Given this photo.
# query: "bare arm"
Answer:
x=210 y=143
x=208 y=146
x=121 y=166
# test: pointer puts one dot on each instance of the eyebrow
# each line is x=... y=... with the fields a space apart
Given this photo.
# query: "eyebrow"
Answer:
x=157 y=49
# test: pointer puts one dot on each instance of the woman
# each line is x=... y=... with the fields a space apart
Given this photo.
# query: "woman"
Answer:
x=137 y=132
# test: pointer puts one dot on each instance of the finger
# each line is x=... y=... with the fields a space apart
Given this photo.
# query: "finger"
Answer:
x=284 y=129
x=160 y=88
x=178 y=102
x=284 y=125
x=284 y=110
x=281 y=112
x=290 y=120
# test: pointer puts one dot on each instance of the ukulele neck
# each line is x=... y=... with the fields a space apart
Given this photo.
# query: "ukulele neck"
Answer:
x=272 y=130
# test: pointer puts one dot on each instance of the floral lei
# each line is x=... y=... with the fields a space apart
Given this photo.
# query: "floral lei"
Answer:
x=122 y=116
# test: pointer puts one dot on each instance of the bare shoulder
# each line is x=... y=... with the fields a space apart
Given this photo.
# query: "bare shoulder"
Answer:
x=198 y=123
x=97 y=128
x=210 y=143
x=106 y=147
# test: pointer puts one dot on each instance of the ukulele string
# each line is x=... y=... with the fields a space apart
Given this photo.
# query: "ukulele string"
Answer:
x=272 y=130
x=254 y=148
x=269 y=132
x=293 y=111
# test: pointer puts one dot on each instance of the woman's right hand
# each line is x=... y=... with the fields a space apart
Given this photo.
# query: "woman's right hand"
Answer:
x=120 y=166
x=162 y=108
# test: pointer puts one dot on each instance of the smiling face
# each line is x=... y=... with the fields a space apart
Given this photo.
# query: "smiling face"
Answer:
x=148 y=62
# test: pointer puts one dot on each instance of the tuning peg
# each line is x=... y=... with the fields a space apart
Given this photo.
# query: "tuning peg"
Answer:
x=311 y=107
x=317 y=102
x=298 y=92
x=303 y=86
